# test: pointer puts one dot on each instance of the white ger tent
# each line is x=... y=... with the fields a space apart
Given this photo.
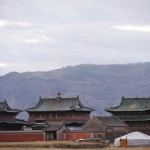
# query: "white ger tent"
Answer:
x=134 y=139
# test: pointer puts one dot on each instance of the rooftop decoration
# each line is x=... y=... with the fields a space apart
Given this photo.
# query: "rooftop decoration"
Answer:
x=59 y=104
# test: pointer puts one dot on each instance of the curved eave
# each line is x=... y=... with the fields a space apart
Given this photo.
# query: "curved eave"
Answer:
x=11 y=111
x=81 y=110
x=135 y=119
x=13 y=122
x=110 y=110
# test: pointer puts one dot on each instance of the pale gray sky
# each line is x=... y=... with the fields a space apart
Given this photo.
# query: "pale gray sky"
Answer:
x=41 y=35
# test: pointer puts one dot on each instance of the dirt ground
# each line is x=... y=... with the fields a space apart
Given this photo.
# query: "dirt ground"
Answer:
x=110 y=147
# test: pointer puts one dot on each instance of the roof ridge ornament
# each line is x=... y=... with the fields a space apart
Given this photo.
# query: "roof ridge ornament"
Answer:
x=58 y=96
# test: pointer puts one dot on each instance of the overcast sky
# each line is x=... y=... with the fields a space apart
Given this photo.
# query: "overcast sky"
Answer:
x=41 y=35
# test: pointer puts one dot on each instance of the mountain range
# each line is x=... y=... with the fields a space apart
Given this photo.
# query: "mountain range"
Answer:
x=98 y=86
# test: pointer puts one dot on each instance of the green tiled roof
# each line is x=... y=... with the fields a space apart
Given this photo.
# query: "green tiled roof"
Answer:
x=5 y=107
x=17 y=121
x=135 y=118
x=53 y=126
x=39 y=126
x=132 y=104
x=59 y=104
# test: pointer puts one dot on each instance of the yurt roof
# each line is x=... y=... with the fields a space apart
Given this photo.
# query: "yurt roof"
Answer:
x=135 y=135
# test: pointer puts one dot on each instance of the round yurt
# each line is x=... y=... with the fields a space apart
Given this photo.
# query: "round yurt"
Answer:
x=133 y=139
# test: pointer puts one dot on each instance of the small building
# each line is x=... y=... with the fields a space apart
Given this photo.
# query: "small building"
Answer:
x=135 y=112
x=55 y=131
x=106 y=127
x=40 y=124
x=114 y=127
x=99 y=127
x=69 y=110
x=8 y=119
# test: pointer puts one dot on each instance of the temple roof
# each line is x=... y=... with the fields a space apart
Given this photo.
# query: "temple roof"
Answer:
x=99 y=123
x=131 y=104
x=77 y=122
x=59 y=104
x=54 y=126
x=135 y=118
x=5 y=107
x=16 y=121
x=111 y=121
x=38 y=126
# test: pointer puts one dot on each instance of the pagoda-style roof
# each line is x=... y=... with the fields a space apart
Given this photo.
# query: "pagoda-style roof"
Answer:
x=59 y=104
x=131 y=104
x=16 y=121
x=135 y=118
x=5 y=108
x=54 y=126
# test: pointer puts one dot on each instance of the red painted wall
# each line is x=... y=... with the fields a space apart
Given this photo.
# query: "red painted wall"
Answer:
x=76 y=136
x=18 y=137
